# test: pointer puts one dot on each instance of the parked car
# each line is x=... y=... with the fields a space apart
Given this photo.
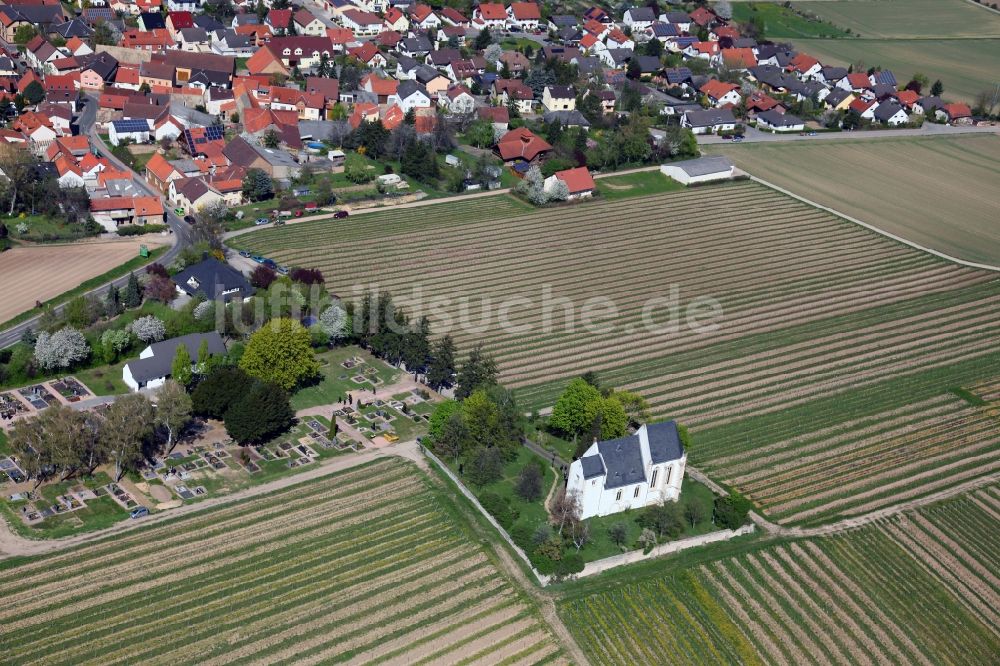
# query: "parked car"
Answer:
x=244 y=254
x=259 y=259
x=261 y=221
x=298 y=213
x=189 y=219
x=812 y=133
x=340 y=214
x=737 y=139
x=282 y=270
x=270 y=263
x=279 y=222
x=179 y=211
x=139 y=512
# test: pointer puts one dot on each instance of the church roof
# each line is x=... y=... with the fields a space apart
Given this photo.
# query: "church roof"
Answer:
x=664 y=442
x=623 y=459
x=592 y=466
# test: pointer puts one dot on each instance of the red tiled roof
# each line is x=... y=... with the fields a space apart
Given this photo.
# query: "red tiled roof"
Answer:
x=492 y=11
x=525 y=11
x=181 y=20
x=717 y=89
x=577 y=180
x=958 y=110
x=522 y=143
x=279 y=18
x=741 y=58
x=859 y=81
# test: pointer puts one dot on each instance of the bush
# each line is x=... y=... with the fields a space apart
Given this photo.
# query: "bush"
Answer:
x=731 y=511
x=571 y=563
x=140 y=229
x=499 y=508
x=522 y=533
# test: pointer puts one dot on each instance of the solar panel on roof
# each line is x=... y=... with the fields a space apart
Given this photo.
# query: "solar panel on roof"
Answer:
x=214 y=133
x=131 y=125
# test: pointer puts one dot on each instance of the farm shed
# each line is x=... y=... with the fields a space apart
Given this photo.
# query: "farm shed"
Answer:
x=701 y=170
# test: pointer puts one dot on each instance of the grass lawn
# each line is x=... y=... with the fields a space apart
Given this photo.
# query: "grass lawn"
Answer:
x=636 y=184
x=336 y=381
x=4 y=444
x=519 y=44
x=42 y=228
x=104 y=380
x=533 y=513
x=784 y=22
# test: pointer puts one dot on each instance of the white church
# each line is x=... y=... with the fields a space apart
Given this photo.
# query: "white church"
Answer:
x=630 y=472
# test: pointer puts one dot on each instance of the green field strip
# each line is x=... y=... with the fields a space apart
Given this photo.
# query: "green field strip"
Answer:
x=485 y=652
x=967 y=524
x=215 y=590
x=525 y=653
x=450 y=647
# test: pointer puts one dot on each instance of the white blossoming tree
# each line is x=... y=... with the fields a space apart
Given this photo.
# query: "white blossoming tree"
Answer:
x=149 y=329
x=204 y=311
x=61 y=349
x=335 y=322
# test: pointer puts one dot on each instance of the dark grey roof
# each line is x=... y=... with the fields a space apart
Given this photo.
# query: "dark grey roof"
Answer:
x=443 y=57
x=208 y=23
x=619 y=56
x=664 y=440
x=194 y=35
x=425 y=74
x=648 y=64
x=775 y=119
x=406 y=63
x=664 y=30
x=592 y=466
x=213 y=278
x=677 y=17
x=73 y=28
x=931 y=103
x=885 y=77
x=836 y=96
x=561 y=92
x=641 y=14
x=409 y=87
x=152 y=20
x=563 y=20
x=566 y=118
x=676 y=75
x=623 y=459
x=834 y=73
x=709 y=117
x=887 y=110
x=159 y=364
x=419 y=44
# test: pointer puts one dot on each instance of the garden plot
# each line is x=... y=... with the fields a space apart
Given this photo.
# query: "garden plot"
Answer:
x=331 y=570
x=823 y=323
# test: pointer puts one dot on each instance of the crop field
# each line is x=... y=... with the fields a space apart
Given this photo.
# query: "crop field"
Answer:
x=967 y=67
x=900 y=19
x=331 y=570
x=855 y=598
x=896 y=185
x=826 y=329
x=41 y=272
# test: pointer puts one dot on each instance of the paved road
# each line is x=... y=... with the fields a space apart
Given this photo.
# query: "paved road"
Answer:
x=181 y=231
x=754 y=135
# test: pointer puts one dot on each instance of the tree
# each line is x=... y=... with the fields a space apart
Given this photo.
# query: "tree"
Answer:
x=607 y=418
x=335 y=322
x=113 y=301
x=132 y=298
x=260 y=414
x=664 y=519
x=529 y=482
x=569 y=415
x=483 y=39
x=222 y=387
x=694 y=511
x=262 y=276
x=532 y=186
x=723 y=9
x=113 y=342
x=479 y=370
x=482 y=418
x=180 y=368
x=280 y=353
x=61 y=349
x=442 y=412
x=25 y=33
x=257 y=185
x=618 y=533
x=579 y=534
x=731 y=511
x=173 y=410
x=937 y=89
x=485 y=466
x=453 y=437
x=149 y=329
x=480 y=134
x=104 y=33
x=160 y=289
x=441 y=368
x=372 y=136
x=565 y=508
x=127 y=424
x=271 y=139
x=356 y=169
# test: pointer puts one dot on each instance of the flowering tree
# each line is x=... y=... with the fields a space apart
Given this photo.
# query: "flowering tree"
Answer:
x=204 y=311
x=335 y=322
x=113 y=342
x=559 y=192
x=533 y=186
x=61 y=349
x=149 y=329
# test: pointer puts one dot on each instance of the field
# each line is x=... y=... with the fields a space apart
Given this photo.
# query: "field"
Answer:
x=966 y=67
x=44 y=271
x=903 y=19
x=896 y=185
x=783 y=22
x=826 y=328
x=332 y=570
x=855 y=598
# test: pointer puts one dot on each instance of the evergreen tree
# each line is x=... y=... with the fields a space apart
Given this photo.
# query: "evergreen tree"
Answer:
x=478 y=371
x=132 y=298
x=441 y=369
x=937 y=88
x=113 y=301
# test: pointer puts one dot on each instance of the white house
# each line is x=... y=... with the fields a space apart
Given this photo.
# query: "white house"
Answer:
x=701 y=170
x=779 y=122
x=709 y=121
x=153 y=366
x=630 y=472
x=639 y=18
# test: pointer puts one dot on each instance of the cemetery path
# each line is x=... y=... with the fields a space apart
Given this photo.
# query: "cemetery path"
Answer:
x=15 y=545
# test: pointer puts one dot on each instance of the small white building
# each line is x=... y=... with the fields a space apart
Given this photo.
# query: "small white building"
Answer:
x=155 y=362
x=630 y=472
x=134 y=129
x=701 y=170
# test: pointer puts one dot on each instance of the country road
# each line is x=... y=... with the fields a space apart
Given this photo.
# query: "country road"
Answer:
x=754 y=135
x=181 y=231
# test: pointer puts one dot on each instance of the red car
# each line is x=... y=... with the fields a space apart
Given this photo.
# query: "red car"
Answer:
x=340 y=214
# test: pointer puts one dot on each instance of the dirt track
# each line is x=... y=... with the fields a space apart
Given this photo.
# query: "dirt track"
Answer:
x=41 y=272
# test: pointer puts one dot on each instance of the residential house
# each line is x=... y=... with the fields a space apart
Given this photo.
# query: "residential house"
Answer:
x=559 y=98
x=709 y=121
x=578 y=181
x=155 y=363
x=410 y=95
x=700 y=170
x=513 y=91
x=721 y=94
x=458 y=100
x=524 y=15
x=891 y=114
x=307 y=24
x=779 y=122
x=133 y=130
x=361 y=22
x=864 y=108
x=630 y=472
x=957 y=114
x=639 y=18
x=423 y=17
x=192 y=194
x=521 y=145
x=491 y=15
